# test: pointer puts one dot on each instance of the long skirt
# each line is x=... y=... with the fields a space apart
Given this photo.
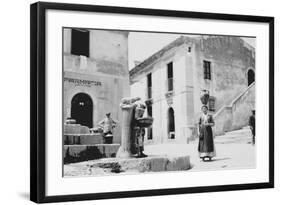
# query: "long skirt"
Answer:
x=206 y=146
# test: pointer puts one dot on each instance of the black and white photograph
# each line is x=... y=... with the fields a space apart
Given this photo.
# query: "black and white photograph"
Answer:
x=134 y=102
x=138 y=102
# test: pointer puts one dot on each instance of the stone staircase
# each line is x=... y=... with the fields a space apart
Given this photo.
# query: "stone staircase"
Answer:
x=235 y=115
x=81 y=145
x=241 y=136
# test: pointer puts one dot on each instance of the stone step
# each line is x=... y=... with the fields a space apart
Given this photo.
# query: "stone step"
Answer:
x=238 y=132
x=83 y=139
x=241 y=136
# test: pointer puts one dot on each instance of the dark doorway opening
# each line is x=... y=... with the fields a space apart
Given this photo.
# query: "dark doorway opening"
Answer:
x=251 y=77
x=82 y=109
x=171 y=123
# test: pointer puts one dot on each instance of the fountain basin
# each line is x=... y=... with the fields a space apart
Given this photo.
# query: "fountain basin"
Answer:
x=144 y=122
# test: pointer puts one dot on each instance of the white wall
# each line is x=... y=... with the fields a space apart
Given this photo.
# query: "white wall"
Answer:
x=159 y=89
x=14 y=104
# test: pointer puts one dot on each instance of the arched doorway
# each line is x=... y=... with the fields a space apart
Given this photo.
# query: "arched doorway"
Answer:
x=82 y=109
x=251 y=76
x=171 y=123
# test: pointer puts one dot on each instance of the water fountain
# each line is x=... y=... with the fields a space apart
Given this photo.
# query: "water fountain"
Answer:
x=133 y=128
x=130 y=156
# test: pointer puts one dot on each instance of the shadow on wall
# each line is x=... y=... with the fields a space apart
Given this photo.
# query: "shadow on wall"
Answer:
x=89 y=153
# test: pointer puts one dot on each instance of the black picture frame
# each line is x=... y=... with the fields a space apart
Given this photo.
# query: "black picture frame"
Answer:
x=38 y=100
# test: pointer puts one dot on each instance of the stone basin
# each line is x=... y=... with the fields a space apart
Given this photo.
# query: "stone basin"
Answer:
x=145 y=122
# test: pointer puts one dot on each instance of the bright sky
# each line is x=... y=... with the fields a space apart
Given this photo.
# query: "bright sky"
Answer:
x=143 y=44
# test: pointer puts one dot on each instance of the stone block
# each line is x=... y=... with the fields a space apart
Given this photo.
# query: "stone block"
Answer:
x=158 y=164
x=75 y=129
x=83 y=139
x=149 y=164
x=179 y=163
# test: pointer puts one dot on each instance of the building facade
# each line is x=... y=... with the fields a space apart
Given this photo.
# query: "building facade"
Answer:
x=96 y=75
x=172 y=80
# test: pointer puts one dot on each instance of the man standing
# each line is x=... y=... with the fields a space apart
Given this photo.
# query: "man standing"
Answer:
x=107 y=124
x=252 y=121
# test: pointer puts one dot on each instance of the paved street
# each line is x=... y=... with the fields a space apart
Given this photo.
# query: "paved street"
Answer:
x=234 y=151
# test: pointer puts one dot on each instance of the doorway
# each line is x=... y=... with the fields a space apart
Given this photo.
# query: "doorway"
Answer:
x=171 y=123
x=82 y=109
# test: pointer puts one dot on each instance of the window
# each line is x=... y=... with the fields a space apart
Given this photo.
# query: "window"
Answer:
x=170 y=69
x=80 y=42
x=170 y=75
x=251 y=77
x=149 y=86
x=212 y=103
x=207 y=70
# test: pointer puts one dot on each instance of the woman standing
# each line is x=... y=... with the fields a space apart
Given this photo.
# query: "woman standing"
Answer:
x=206 y=146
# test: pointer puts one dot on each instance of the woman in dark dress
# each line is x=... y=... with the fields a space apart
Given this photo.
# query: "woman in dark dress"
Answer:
x=206 y=146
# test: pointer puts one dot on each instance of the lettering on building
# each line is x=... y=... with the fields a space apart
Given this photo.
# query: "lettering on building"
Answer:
x=79 y=82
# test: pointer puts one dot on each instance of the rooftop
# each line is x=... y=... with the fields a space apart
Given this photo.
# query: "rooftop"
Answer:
x=176 y=43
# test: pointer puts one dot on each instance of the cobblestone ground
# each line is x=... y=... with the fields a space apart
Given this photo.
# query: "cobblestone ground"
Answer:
x=233 y=151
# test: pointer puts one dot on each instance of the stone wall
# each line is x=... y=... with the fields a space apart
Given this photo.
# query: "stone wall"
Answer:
x=104 y=75
x=230 y=59
x=223 y=120
x=108 y=53
x=106 y=96
x=235 y=115
x=242 y=107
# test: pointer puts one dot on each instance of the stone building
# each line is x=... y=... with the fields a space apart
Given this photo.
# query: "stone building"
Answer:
x=96 y=76
x=171 y=81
